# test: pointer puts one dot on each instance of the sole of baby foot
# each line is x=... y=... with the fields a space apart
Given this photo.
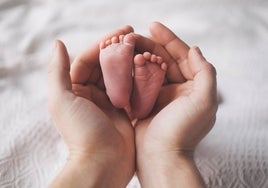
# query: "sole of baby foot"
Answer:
x=149 y=74
x=116 y=60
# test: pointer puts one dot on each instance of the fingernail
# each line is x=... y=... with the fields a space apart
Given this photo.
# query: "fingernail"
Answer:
x=197 y=49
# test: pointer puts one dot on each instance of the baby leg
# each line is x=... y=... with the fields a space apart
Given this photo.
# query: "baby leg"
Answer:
x=116 y=60
x=149 y=73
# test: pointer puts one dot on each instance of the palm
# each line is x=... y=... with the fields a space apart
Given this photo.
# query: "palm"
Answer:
x=174 y=120
x=95 y=132
x=85 y=108
x=113 y=129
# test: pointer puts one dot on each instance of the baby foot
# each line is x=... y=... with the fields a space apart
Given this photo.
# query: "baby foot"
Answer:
x=149 y=74
x=116 y=60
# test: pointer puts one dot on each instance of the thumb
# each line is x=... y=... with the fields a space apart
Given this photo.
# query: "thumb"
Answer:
x=59 y=80
x=204 y=77
x=59 y=70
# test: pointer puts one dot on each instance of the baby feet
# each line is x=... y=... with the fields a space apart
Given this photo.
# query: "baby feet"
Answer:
x=116 y=60
x=149 y=73
x=140 y=90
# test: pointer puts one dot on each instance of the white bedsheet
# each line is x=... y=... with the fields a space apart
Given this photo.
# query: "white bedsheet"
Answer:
x=233 y=35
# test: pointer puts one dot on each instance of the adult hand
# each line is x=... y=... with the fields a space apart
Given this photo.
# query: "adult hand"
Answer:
x=183 y=114
x=100 y=138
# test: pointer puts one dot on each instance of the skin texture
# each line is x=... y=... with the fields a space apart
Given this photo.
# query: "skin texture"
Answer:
x=183 y=114
x=100 y=137
x=149 y=73
x=116 y=60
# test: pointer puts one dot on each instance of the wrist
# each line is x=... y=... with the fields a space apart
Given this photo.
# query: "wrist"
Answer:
x=89 y=171
x=169 y=170
x=79 y=172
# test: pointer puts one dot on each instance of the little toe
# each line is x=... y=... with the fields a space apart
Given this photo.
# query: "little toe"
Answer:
x=108 y=42
x=164 y=66
x=102 y=45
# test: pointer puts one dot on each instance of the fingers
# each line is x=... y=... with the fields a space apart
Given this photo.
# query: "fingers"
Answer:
x=58 y=76
x=204 y=75
x=177 y=49
x=87 y=63
x=164 y=36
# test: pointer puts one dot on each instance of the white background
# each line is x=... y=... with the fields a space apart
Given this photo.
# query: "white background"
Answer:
x=233 y=35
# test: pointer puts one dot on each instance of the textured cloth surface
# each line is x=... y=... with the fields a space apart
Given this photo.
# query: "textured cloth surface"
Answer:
x=233 y=35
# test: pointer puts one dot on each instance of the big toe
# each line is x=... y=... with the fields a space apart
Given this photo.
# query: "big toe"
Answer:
x=129 y=39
